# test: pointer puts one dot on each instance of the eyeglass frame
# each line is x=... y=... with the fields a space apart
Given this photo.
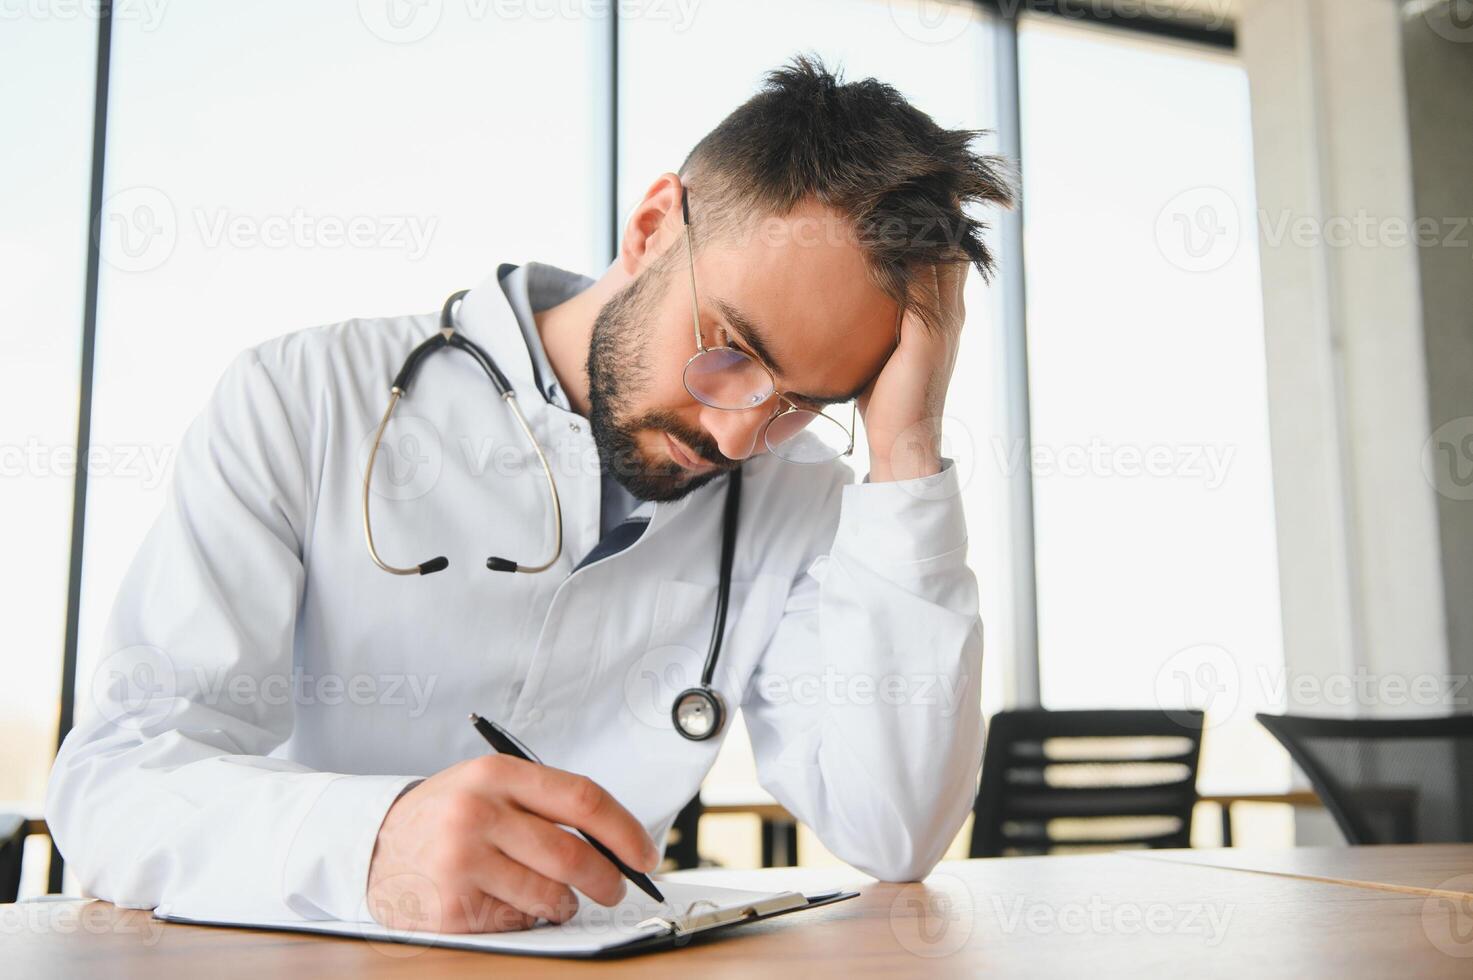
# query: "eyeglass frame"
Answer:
x=701 y=348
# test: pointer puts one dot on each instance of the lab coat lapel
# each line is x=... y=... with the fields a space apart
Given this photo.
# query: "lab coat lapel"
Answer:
x=486 y=317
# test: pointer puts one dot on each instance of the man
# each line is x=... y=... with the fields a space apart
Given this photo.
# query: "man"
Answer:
x=280 y=727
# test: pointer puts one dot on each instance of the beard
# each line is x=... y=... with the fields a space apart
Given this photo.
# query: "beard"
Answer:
x=618 y=372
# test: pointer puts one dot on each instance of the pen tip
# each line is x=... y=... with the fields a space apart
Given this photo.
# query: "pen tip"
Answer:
x=475 y=717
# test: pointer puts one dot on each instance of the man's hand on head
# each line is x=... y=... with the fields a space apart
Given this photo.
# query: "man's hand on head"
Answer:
x=477 y=848
x=902 y=409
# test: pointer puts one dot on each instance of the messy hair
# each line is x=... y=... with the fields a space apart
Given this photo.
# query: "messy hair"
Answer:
x=900 y=181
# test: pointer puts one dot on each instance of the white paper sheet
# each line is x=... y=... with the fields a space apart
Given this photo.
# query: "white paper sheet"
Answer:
x=594 y=928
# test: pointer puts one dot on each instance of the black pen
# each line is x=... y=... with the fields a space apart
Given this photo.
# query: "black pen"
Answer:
x=502 y=742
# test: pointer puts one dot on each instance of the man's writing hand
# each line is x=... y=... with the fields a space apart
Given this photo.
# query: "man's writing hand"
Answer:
x=477 y=848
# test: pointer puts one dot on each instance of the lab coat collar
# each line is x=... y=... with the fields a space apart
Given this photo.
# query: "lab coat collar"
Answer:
x=487 y=318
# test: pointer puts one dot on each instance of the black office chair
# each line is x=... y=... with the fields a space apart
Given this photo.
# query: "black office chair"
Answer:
x=12 y=850
x=1086 y=780
x=1387 y=780
x=682 y=847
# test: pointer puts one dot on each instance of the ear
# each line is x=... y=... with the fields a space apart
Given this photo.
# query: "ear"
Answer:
x=654 y=226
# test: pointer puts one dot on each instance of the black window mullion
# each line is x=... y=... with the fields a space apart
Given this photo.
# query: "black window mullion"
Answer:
x=68 y=697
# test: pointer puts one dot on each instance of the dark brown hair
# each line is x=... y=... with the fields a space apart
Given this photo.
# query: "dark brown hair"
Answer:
x=901 y=181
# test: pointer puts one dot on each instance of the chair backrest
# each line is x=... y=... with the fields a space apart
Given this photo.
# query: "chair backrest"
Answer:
x=1387 y=780
x=1077 y=780
x=682 y=845
x=12 y=851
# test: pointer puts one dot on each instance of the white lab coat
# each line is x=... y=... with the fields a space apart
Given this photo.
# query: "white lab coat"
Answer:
x=266 y=692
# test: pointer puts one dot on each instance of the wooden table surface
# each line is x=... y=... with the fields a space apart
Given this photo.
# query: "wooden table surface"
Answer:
x=1108 y=915
x=1421 y=869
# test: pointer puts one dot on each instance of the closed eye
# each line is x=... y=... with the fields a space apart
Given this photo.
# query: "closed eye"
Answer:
x=812 y=404
x=735 y=344
x=799 y=400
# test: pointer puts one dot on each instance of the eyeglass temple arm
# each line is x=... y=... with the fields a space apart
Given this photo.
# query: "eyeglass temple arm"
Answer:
x=690 y=252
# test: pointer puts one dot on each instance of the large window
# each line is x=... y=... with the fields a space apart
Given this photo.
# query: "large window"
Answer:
x=679 y=79
x=322 y=161
x=1156 y=566
x=46 y=93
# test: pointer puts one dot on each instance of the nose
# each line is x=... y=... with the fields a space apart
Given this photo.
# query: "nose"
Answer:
x=738 y=434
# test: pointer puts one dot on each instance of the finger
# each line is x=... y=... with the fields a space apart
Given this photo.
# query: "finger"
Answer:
x=577 y=801
x=950 y=276
x=931 y=290
x=505 y=918
x=469 y=864
x=560 y=856
x=416 y=903
x=483 y=912
x=530 y=893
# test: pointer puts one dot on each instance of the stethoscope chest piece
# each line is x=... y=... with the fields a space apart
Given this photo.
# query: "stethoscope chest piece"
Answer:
x=698 y=713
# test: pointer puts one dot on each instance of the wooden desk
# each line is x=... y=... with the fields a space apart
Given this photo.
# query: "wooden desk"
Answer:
x=1420 y=869
x=1106 y=916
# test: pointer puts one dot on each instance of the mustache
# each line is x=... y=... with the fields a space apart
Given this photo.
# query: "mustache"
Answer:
x=703 y=445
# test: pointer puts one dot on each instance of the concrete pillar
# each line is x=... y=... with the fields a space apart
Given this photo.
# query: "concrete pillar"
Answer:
x=1360 y=547
x=1437 y=45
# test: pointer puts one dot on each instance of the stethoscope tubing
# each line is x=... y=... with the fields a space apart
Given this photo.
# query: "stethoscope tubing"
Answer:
x=447 y=336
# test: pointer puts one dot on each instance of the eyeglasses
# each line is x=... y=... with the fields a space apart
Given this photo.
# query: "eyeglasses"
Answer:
x=730 y=379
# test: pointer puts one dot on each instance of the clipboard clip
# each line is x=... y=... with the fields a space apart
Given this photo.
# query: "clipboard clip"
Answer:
x=692 y=921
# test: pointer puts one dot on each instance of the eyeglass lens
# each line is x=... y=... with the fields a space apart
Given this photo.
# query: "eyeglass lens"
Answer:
x=725 y=378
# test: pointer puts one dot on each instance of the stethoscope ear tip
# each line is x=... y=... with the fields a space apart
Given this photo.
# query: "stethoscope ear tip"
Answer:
x=434 y=565
x=501 y=564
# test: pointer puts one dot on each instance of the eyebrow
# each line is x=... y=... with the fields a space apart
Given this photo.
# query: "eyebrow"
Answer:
x=754 y=336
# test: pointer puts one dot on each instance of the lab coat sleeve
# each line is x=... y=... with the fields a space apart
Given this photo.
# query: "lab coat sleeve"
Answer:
x=865 y=710
x=164 y=793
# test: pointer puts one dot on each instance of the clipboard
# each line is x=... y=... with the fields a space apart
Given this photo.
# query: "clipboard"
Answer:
x=708 y=911
x=677 y=937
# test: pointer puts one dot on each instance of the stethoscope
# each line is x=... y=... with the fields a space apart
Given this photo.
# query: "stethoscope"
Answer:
x=698 y=712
